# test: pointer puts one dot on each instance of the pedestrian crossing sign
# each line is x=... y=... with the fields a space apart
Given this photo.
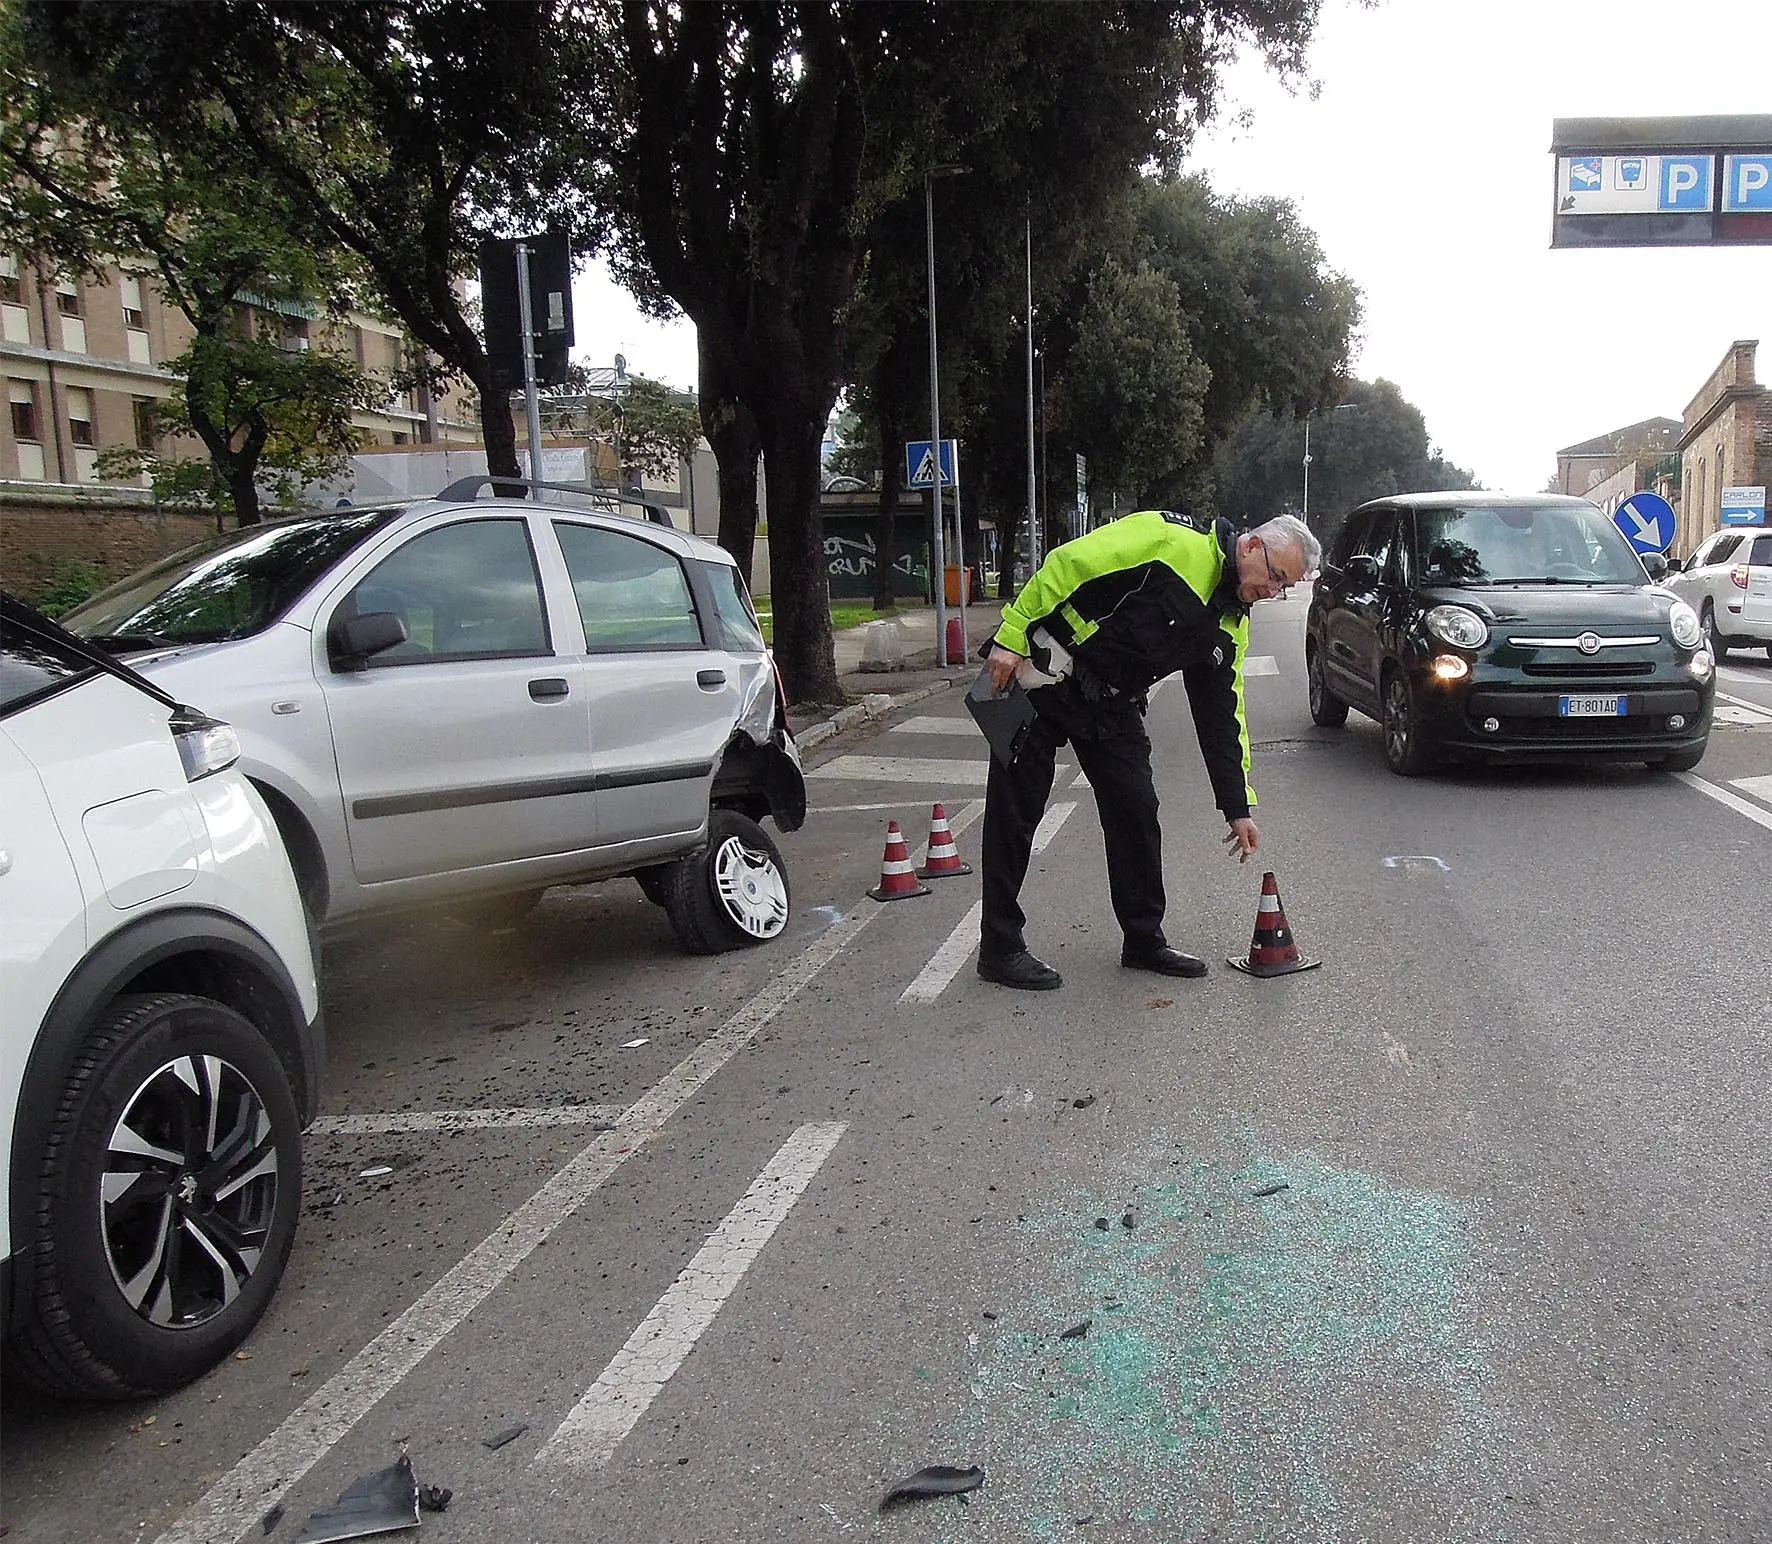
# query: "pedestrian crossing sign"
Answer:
x=919 y=463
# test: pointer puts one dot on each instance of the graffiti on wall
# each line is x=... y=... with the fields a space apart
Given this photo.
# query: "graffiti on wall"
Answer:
x=858 y=556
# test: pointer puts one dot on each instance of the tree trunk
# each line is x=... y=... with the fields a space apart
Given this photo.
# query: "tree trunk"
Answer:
x=731 y=430
x=499 y=431
x=799 y=589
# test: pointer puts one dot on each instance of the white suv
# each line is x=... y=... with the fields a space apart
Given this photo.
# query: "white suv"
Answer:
x=1728 y=582
x=460 y=701
x=160 y=1045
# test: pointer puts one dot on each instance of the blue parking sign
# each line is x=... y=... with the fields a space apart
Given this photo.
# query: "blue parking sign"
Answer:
x=1685 y=184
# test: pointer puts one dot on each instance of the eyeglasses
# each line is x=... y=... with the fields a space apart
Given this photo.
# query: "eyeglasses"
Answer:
x=1279 y=581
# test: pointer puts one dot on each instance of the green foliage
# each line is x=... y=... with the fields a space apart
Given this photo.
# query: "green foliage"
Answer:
x=651 y=427
x=72 y=581
x=1373 y=444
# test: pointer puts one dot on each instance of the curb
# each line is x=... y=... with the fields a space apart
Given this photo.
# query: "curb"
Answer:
x=874 y=705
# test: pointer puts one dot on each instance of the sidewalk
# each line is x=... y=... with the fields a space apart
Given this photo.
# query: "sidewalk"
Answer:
x=887 y=665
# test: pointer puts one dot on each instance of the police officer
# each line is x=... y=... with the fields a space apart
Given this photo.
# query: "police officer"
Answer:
x=1129 y=603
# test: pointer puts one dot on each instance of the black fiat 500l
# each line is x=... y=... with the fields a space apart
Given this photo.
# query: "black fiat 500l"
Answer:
x=1504 y=626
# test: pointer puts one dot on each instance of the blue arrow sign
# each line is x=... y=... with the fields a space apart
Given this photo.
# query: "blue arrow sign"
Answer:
x=1647 y=520
x=919 y=464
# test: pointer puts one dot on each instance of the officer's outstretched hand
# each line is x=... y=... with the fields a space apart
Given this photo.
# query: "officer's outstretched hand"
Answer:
x=1002 y=663
x=1243 y=838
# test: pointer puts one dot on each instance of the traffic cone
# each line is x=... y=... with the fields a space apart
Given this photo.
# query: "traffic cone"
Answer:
x=1273 y=952
x=898 y=880
x=944 y=857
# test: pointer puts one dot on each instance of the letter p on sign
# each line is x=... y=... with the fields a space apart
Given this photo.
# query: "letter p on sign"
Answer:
x=1747 y=182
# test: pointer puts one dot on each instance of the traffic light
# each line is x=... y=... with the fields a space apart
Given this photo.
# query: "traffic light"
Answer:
x=550 y=307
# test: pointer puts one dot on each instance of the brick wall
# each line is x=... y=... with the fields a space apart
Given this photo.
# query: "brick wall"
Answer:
x=41 y=538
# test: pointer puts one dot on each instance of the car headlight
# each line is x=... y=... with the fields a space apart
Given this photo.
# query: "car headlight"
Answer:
x=1683 y=621
x=1457 y=625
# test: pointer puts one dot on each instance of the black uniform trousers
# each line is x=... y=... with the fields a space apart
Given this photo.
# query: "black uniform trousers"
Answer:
x=1114 y=752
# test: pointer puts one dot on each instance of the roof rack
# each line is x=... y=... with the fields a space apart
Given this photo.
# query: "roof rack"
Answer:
x=467 y=489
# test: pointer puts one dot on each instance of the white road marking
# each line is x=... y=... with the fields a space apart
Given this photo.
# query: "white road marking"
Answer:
x=638 y=1372
x=1758 y=787
x=465 y=1120
x=1745 y=677
x=936 y=726
x=956 y=949
x=1724 y=797
x=1738 y=710
x=911 y=769
x=1260 y=664
x=246 y=1492
x=945 y=963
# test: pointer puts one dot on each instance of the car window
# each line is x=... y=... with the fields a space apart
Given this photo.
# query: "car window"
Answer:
x=1761 y=556
x=1375 y=542
x=31 y=668
x=1344 y=545
x=465 y=590
x=1719 y=549
x=228 y=588
x=631 y=593
x=1512 y=543
x=732 y=608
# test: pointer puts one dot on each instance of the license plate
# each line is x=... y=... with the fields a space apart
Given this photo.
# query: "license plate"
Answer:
x=1591 y=707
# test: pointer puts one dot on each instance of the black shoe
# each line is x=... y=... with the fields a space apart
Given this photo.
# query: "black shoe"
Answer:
x=1021 y=970
x=1164 y=961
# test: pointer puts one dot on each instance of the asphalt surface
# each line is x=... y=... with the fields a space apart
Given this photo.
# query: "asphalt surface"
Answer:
x=1460 y=1237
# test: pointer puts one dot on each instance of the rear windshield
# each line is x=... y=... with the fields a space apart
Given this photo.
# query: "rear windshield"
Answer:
x=1522 y=544
x=231 y=587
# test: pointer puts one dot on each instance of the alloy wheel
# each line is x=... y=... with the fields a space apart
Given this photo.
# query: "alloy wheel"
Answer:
x=750 y=888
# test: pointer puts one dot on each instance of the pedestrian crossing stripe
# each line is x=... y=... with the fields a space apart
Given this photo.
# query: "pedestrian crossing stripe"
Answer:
x=911 y=769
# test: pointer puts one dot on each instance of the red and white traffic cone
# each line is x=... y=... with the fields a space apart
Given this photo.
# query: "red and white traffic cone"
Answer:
x=1273 y=952
x=898 y=880
x=944 y=856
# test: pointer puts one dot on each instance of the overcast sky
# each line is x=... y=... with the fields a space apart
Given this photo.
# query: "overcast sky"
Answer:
x=1424 y=167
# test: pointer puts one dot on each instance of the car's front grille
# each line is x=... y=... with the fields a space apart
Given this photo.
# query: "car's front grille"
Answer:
x=1634 y=727
x=1591 y=670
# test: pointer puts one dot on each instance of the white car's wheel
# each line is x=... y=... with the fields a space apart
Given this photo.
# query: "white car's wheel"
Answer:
x=733 y=894
x=165 y=1202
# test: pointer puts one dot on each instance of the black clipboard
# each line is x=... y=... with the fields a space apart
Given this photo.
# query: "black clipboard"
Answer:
x=1005 y=716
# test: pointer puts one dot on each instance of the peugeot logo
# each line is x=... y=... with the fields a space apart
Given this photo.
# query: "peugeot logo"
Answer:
x=1588 y=643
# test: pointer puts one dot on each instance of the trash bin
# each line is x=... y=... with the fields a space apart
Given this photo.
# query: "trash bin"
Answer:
x=953 y=585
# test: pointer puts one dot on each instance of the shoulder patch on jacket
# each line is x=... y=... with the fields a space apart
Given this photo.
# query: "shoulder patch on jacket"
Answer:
x=1181 y=517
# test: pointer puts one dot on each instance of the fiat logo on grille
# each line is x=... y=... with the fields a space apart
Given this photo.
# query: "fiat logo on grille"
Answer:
x=1588 y=643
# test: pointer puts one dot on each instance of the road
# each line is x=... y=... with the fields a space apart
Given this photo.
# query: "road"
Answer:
x=741 y=1242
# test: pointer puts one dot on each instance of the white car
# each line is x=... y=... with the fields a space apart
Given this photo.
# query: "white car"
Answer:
x=161 y=1046
x=1728 y=582
x=461 y=701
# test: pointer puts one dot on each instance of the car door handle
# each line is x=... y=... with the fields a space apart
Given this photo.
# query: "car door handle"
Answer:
x=710 y=678
x=548 y=686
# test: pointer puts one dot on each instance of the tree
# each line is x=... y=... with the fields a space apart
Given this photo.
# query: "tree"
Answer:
x=91 y=185
x=735 y=156
x=649 y=427
x=400 y=128
x=1372 y=444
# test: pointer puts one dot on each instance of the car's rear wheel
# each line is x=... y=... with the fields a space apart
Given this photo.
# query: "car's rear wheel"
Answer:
x=164 y=1203
x=1406 y=751
x=1719 y=645
x=733 y=894
x=1327 y=709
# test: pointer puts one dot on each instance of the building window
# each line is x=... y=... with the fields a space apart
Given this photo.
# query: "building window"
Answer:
x=133 y=314
x=80 y=429
x=24 y=409
x=144 y=423
x=10 y=291
x=67 y=297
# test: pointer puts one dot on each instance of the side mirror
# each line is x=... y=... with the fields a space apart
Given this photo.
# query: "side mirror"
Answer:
x=353 y=640
x=1362 y=568
x=1656 y=566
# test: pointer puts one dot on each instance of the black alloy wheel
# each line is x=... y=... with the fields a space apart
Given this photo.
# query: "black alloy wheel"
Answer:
x=1327 y=710
x=1719 y=645
x=165 y=1201
x=1405 y=750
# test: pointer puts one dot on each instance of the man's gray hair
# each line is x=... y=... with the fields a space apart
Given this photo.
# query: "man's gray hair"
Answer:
x=1291 y=532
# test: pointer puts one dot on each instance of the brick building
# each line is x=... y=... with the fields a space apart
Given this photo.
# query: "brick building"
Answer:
x=82 y=359
x=1726 y=443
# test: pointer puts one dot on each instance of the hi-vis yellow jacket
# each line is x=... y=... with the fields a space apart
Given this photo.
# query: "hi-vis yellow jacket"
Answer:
x=1140 y=598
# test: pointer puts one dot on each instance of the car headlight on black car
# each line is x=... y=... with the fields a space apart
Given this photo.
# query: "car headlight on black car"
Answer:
x=1457 y=625
x=1683 y=623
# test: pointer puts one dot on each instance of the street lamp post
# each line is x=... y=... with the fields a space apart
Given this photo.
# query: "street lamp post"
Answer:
x=938 y=555
x=1307 y=469
x=1033 y=509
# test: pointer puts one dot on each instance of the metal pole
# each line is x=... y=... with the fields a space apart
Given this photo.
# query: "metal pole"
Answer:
x=531 y=401
x=1033 y=514
x=1306 y=512
x=938 y=556
x=960 y=559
